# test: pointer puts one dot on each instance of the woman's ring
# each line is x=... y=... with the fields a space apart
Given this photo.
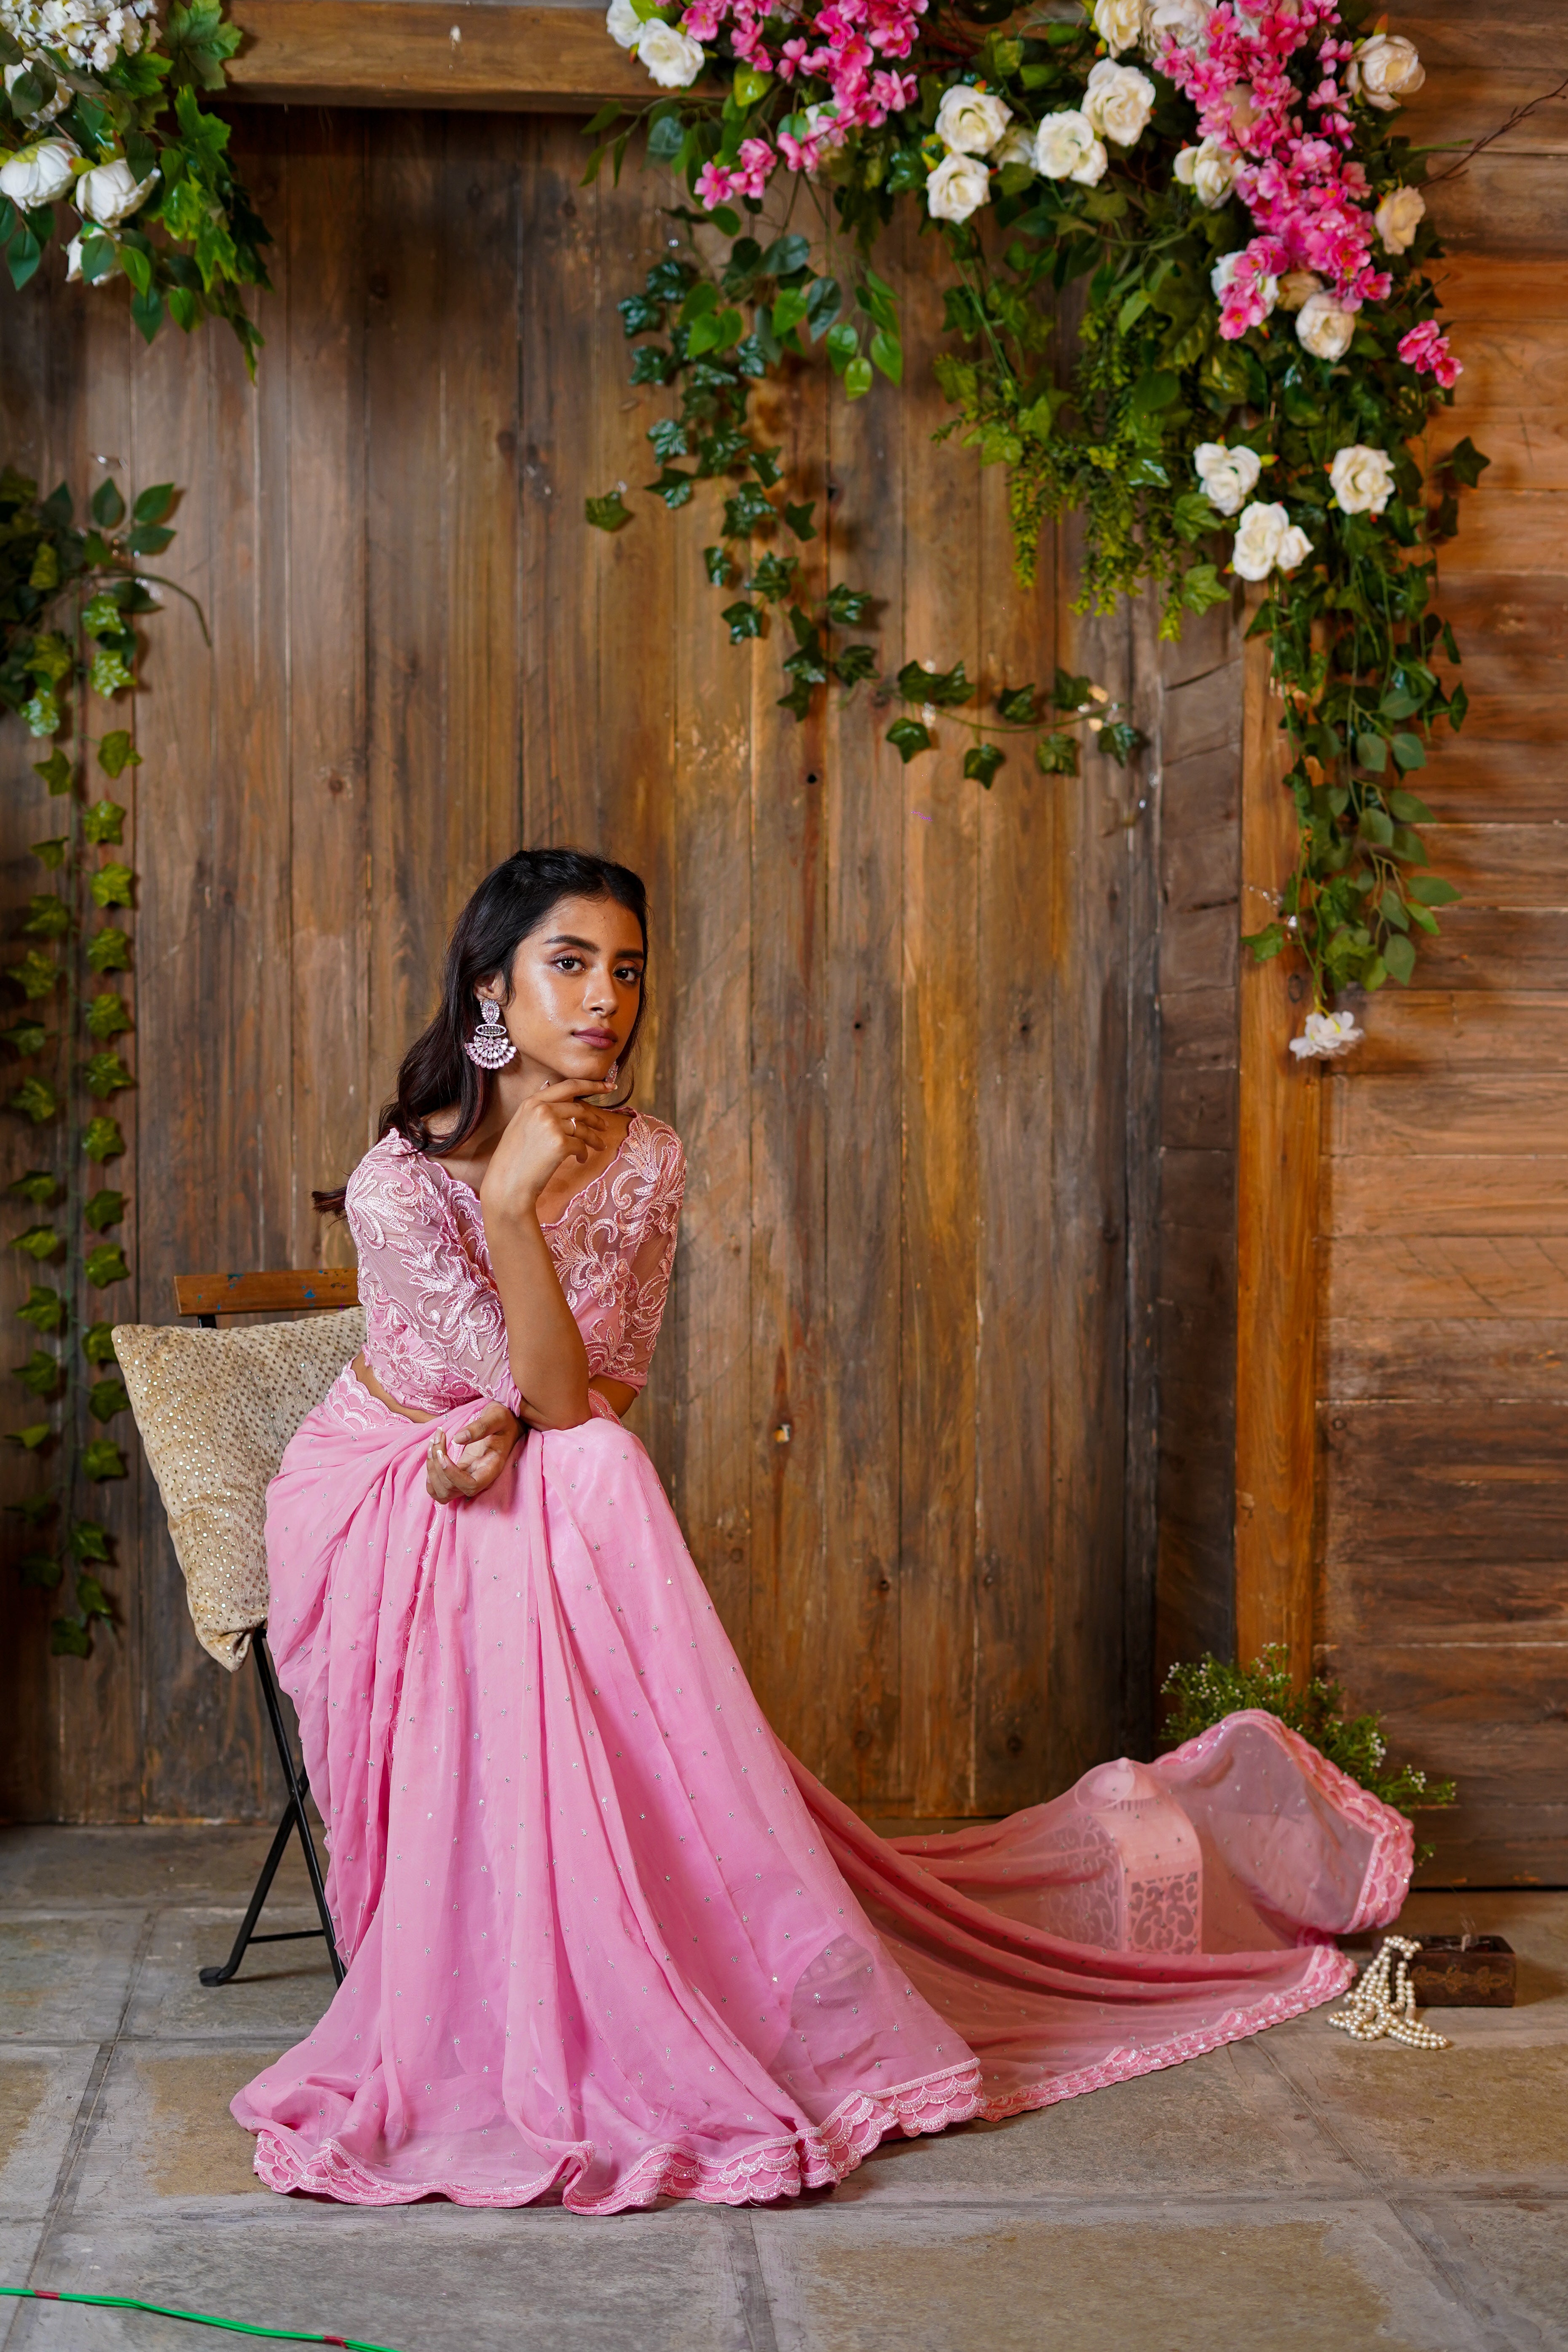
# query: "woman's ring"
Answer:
x=574 y=1127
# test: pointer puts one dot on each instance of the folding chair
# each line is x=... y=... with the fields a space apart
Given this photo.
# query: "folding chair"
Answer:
x=204 y=1296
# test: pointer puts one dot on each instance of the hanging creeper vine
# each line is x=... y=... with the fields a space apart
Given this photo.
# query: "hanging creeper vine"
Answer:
x=69 y=600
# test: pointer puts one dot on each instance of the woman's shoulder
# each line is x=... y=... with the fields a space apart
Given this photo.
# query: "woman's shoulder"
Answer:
x=658 y=1166
x=655 y=1145
x=394 y=1173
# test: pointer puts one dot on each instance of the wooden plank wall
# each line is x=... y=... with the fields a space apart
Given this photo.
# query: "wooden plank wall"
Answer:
x=1444 y=1415
x=1201 y=920
x=891 y=1012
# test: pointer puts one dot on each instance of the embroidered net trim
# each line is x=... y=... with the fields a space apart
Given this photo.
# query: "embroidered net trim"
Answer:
x=350 y=1404
x=1328 y=1973
x=812 y=2159
x=772 y=2168
x=435 y=1333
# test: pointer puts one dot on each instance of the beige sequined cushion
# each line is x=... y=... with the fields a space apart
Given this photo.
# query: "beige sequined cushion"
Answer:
x=215 y=1410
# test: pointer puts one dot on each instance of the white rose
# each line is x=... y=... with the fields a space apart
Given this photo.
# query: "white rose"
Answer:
x=1258 y=541
x=1119 y=101
x=37 y=176
x=1325 y=1034
x=970 y=122
x=1018 y=146
x=1185 y=22
x=1293 y=548
x=1208 y=169
x=111 y=192
x=1119 y=23
x=1298 y=287
x=1066 y=148
x=623 y=24
x=1398 y=217
x=1229 y=477
x=73 y=262
x=672 y=57
x=1363 y=479
x=1386 y=69
x=57 y=105
x=1323 y=328
x=959 y=186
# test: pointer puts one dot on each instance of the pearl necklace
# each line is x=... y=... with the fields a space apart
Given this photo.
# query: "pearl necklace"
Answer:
x=1374 y=2010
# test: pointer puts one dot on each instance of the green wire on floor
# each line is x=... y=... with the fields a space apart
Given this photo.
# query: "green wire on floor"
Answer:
x=201 y=2318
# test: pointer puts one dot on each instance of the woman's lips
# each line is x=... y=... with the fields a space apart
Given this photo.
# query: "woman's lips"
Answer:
x=599 y=1039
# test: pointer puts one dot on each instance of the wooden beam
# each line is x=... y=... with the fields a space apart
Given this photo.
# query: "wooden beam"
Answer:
x=294 y=1290
x=1277 y=1226
x=412 y=53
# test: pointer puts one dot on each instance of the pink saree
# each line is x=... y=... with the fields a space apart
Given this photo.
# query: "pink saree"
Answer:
x=608 y=1941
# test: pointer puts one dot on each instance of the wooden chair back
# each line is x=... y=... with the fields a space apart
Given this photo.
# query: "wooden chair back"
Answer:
x=311 y=1289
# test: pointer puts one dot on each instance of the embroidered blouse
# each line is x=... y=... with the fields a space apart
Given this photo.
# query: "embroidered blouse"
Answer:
x=435 y=1333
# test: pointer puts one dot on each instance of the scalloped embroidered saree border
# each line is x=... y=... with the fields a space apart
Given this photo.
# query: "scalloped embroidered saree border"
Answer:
x=813 y=2160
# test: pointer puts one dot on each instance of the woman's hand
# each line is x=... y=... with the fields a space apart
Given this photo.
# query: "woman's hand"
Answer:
x=556 y=1124
x=486 y=1442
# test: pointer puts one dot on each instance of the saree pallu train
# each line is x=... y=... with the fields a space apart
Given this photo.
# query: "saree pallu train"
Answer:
x=608 y=1942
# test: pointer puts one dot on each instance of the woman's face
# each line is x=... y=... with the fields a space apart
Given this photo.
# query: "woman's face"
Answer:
x=576 y=985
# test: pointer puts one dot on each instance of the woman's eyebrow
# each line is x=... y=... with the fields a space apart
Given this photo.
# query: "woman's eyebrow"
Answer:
x=565 y=940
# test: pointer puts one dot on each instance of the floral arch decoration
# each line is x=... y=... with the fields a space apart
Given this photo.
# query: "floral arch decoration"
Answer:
x=1259 y=350
x=1260 y=347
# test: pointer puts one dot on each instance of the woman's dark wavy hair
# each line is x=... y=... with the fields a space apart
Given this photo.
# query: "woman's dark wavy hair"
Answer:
x=510 y=904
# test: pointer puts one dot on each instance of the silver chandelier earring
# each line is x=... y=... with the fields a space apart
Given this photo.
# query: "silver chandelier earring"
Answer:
x=490 y=1045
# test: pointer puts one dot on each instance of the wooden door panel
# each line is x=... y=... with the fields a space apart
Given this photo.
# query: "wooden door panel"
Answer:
x=888 y=1010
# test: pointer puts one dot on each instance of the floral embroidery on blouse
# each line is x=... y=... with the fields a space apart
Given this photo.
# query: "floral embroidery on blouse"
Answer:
x=435 y=1333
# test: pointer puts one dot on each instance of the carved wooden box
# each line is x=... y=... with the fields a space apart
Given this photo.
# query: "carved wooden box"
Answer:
x=1463 y=1972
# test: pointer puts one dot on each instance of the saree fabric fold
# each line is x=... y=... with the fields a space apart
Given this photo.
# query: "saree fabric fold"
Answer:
x=608 y=1942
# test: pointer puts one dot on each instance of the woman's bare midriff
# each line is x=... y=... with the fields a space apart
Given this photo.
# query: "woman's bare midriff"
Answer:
x=367 y=1380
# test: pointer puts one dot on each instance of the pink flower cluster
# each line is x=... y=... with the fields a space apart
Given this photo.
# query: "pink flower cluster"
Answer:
x=1250 y=286
x=847 y=45
x=1294 y=169
x=1426 y=349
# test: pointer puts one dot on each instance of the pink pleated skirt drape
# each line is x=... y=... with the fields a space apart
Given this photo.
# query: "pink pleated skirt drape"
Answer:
x=608 y=1942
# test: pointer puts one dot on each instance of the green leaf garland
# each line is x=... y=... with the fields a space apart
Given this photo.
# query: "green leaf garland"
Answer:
x=63 y=592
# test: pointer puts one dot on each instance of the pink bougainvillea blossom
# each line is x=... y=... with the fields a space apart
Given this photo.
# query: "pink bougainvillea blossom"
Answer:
x=747 y=177
x=891 y=93
x=1426 y=349
x=1294 y=172
x=1291 y=150
x=847 y=44
x=1250 y=286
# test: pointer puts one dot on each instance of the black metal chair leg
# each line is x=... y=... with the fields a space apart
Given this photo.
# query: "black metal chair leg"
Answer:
x=297 y=1788
x=295 y=1817
x=247 y=1935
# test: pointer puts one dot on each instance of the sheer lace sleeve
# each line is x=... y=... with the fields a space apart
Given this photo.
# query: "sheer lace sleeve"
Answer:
x=651 y=1261
x=435 y=1335
x=613 y=1248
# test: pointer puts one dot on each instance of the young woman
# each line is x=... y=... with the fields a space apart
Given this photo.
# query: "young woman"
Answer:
x=606 y=1940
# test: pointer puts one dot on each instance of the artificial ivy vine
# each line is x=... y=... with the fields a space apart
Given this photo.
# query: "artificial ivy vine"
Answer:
x=690 y=335
x=70 y=601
